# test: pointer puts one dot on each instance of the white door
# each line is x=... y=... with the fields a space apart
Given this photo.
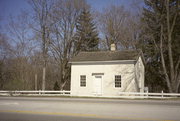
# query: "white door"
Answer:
x=98 y=85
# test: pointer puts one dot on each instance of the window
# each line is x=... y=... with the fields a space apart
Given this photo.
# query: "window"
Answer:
x=82 y=80
x=117 y=80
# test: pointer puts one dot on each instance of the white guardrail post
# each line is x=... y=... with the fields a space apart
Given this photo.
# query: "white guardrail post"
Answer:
x=162 y=94
x=147 y=94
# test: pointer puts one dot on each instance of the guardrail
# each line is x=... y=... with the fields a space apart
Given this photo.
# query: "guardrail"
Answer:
x=35 y=93
x=148 y=95
x=68 y=93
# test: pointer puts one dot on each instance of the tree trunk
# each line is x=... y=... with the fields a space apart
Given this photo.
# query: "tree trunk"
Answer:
x=163 y=61
x=35 y=81
x=170 y=45
x=43 y=79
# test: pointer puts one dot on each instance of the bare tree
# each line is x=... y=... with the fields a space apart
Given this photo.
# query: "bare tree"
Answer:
x=173 y=78
x=20 y=49
x=41 y=15
x=4 y=45
x=64 y=16
x=171 y=72
x=119 y=26
x=162 y=24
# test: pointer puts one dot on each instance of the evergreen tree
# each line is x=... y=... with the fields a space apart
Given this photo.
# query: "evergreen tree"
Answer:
x=56 y=86
x=86 y=38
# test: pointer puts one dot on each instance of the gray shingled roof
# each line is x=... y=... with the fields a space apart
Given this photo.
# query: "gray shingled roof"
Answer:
x=106 y=56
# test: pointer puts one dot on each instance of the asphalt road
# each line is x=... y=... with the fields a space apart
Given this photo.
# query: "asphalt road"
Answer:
x=87 y=109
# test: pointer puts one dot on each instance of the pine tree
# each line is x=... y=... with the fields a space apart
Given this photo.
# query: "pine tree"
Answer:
x=86 y=38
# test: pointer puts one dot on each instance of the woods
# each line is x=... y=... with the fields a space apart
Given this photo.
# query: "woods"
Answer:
x=37 y=45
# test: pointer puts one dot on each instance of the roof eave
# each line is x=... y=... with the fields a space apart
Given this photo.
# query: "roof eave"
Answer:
x=112 y=61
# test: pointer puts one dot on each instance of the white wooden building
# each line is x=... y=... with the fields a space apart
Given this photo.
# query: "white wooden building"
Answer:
x=106 y=73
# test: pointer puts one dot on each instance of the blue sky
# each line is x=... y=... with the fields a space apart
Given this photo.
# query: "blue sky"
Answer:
x=100 y=4
x=13 y=7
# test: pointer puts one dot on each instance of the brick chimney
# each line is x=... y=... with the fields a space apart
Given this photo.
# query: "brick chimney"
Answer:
x=113 y=47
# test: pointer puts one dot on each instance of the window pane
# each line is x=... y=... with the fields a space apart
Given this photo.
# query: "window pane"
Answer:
x=82 y=80
x=117 y=80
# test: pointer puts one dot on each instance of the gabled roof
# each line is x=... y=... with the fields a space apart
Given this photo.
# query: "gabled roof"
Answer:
x=106 y=56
